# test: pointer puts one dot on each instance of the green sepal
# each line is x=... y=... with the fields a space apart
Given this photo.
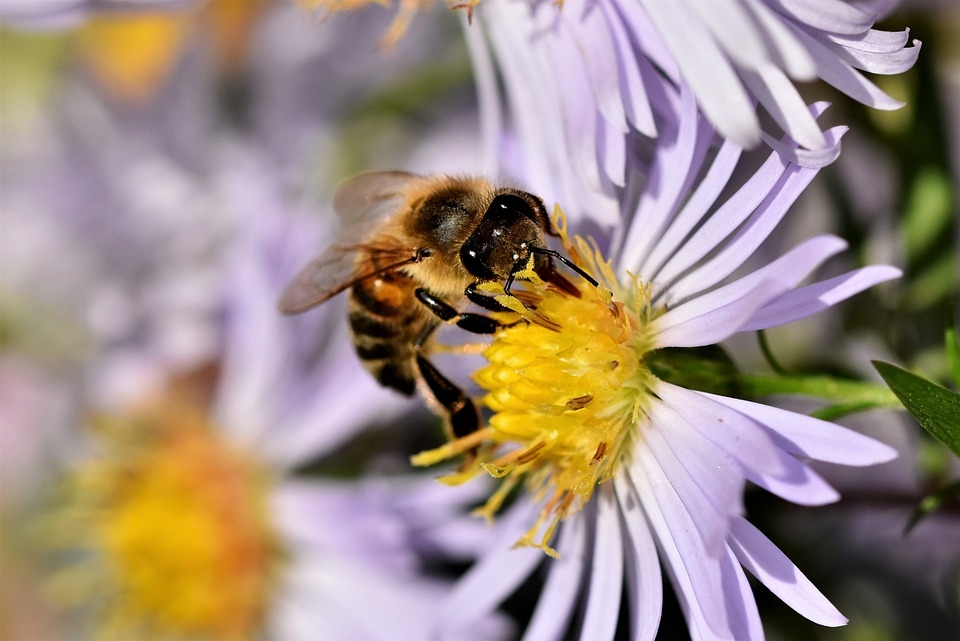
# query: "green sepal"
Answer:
x=705 y=369
x=936 y=408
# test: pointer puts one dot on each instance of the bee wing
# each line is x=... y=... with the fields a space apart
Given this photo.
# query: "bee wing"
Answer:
x=371 y=195
x=336 y=269
x=363 y=203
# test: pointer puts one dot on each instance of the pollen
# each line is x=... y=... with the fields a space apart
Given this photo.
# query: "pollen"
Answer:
x=174 y=528
x=566 y=385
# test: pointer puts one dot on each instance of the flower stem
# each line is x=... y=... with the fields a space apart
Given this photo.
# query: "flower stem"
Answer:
x=847 y=396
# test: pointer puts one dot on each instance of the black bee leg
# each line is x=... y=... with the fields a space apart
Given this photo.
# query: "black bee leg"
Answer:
x=464 y=418
x=483 y=300
x=475 y=323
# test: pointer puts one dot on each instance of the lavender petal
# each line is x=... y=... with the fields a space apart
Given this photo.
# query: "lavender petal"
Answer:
x=772 y=568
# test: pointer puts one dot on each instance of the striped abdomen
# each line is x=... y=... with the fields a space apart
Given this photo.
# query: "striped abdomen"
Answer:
x=386 y=319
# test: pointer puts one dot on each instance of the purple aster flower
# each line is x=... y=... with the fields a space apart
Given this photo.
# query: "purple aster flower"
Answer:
x=628 y=475
x=571 y=83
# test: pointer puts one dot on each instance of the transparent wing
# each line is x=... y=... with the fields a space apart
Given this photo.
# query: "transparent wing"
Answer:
x=339 y=267
x=364 y=203
x=371 y=195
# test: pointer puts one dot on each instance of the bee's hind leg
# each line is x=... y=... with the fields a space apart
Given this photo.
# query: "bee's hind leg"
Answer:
x=460 y=409
x=463 y=414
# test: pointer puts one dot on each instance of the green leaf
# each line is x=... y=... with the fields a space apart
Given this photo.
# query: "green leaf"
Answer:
x=936 y=408
x=931 y=503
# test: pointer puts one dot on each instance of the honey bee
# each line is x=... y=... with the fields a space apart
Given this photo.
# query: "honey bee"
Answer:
x=421 y=245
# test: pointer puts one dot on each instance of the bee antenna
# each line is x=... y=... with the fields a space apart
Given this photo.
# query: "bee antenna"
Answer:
x=566 y=261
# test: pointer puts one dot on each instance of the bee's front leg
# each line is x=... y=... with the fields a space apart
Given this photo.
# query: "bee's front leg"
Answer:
x=475 y=323
x=486 y=301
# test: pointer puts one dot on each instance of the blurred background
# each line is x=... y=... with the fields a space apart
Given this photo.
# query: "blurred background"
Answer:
x=164 y=172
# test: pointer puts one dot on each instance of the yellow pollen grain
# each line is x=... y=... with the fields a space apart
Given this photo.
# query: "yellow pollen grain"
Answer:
x=566 y=394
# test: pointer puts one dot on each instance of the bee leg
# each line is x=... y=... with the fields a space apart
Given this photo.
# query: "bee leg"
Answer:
x=475 y=323
x=464 y=418
x=485 y=301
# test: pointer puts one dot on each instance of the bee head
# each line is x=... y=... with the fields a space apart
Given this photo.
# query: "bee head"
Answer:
x=501 y=244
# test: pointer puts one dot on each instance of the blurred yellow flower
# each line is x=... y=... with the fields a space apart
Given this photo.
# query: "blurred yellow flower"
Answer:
x=176 y=524
x=131 y=55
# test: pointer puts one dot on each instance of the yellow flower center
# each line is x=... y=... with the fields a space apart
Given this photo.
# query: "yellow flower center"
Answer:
x=177 y=523
x=567 y=385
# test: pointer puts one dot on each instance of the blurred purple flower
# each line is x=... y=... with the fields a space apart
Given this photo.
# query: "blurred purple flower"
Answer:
x=640 y=475
x=65 y=14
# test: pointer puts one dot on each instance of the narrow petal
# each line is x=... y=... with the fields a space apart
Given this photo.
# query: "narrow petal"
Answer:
x=741 y=604
x=682 y=458
x=606 y=578
x=780 y=98
x=886 y=63
x=817 y=297
x=590 y=32
x=665 y=185
x=635 y=101
x=644 y=581
x=488 y=97
x=737 y=434
x=730 y=23
x=809 y=437
x=648 y=39
x=696 y=574
x=495 y=576
x=844 y=77
x=788 y=270
x=572 y=85
x=713 y=317
x=611 y=152
x=789 y=53
x=705 y=67
x=799 y=484
x=873 y=40
x=772 y=568
x=809 y=158
x=707 y=191
x=557 y=601
x=710 y=522
x=726 y=218
x=833 y=16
